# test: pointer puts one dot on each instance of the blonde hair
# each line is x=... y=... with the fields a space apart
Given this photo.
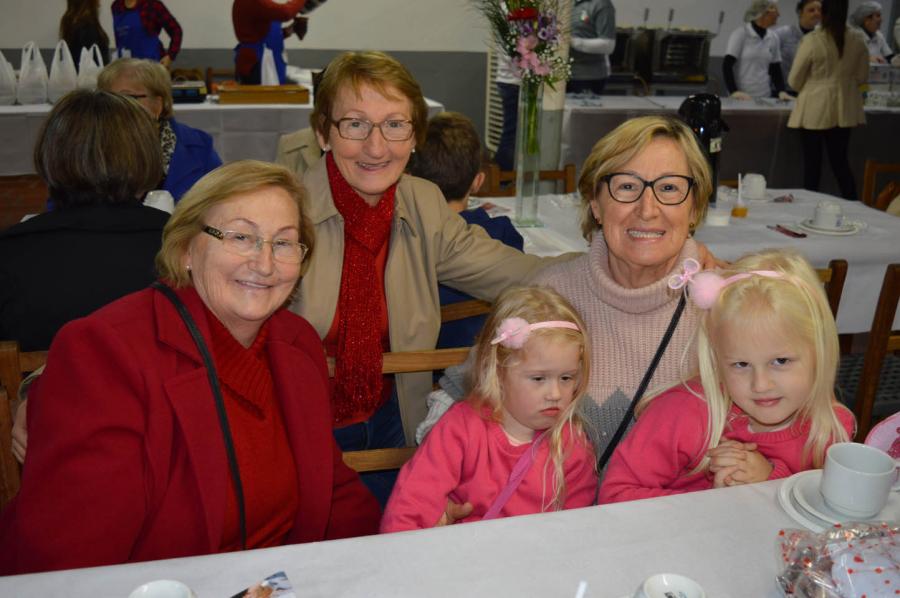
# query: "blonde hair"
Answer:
x=533 y=304
x=797 y=304
x=148 y=73
x=221 y=185
x=623 y=143
x=378 y=70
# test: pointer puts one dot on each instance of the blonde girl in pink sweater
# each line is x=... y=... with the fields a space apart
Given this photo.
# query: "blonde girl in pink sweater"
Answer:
x=516 y=445
x=763 y=406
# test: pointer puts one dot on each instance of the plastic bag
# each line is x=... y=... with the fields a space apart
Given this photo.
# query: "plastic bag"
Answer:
x=268 y=73
x=63 y=76
x=7 y=82
x=89 y=66
x=32 y=87
x=850 y=560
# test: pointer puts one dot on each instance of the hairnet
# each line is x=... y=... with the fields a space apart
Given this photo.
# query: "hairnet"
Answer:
x=758 y=8
x=863 y=11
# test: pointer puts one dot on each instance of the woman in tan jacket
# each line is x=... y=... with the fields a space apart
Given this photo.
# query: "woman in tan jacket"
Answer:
x=831 y=63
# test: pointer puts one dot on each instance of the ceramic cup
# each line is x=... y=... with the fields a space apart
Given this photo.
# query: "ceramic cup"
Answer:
x=828 y=214
x=163 y=588
x=669 y=585
x=857 y=479
x=753 y=186
x=160 y=199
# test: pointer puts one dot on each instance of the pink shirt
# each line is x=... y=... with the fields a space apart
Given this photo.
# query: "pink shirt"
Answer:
x=669 y=438
x=467 y=458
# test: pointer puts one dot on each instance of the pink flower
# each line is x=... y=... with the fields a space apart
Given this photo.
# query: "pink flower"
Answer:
x=526 y=44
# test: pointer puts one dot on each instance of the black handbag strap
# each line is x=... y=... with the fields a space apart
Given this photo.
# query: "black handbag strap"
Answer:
x=623 y=425
x=220 y=402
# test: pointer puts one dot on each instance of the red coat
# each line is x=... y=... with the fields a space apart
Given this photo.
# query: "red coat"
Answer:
x=126 y=460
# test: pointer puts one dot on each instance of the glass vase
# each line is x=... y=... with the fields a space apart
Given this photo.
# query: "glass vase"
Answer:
x=528 y=152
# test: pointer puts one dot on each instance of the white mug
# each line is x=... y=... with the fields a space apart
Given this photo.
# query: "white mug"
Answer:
x=753 y=186
x=857 y=479
x=829 y=214
x=163 y=588
x=669 y=585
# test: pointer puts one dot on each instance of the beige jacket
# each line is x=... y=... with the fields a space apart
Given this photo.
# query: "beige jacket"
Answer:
x=298 y=151
x=429 y=244
x=828 y=83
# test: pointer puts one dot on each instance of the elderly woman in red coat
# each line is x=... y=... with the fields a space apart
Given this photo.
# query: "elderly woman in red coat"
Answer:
x=191 y=417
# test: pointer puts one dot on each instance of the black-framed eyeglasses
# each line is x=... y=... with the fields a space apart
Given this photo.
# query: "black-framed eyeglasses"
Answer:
x=359 y=129
x=248 y=245
x=669 y=190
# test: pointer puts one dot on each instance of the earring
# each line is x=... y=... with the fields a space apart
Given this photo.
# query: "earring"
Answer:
x=327 y=148
x=413 y=151
x=189 y=268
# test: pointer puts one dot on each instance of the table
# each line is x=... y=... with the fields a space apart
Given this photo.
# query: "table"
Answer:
x=758 y=140
x=867 y=253
x=239 y=131
x=724 y=539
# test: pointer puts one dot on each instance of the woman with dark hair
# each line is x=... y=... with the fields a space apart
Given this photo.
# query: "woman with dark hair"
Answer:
x=831 y=63
x=80 y=28
x=98 y=153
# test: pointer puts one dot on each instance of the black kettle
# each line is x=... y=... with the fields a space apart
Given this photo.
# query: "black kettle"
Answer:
x=703 y=114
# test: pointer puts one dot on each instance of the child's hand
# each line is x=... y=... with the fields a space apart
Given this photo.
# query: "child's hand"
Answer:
x=723 y=477
x=453 y=513
x=728 y=454
x=755 y=468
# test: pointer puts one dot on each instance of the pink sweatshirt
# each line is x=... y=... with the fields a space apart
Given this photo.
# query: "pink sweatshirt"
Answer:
x=669 y=439
x=467 y=458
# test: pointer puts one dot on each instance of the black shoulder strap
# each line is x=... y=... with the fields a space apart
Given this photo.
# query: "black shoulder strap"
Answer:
x=217 y=396
x=617 y=437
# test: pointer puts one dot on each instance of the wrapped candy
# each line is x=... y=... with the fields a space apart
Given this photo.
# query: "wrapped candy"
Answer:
x=849 y=560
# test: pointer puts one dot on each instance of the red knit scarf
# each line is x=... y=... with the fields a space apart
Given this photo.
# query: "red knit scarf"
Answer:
x=357 y=376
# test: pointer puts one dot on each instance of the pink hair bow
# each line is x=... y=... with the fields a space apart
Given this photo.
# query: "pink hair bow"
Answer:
x=513 y=332
x=704 y=287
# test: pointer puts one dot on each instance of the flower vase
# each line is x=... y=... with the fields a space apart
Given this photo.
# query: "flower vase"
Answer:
x=528 y=152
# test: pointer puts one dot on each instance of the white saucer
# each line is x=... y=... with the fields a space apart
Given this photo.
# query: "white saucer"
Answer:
x=811 y=513
x=849 y=228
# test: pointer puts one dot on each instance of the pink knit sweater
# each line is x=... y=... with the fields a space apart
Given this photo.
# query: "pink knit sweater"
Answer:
x=625 y=326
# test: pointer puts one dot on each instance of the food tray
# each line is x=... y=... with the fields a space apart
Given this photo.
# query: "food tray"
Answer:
x=263 y=94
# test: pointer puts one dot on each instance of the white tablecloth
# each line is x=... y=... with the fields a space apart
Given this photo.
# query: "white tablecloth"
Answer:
x=867 y=252
x=239 y=131
x=724 y=539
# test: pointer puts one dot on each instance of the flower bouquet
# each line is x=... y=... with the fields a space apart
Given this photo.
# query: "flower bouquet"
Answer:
x=528 y=33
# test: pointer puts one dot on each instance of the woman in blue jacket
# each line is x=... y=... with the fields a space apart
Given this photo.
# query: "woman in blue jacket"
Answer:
x=188 y=153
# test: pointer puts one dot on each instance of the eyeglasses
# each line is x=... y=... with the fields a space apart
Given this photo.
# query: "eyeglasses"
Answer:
x=247 y=245
x=136 y=96
x=669 y=190
x=358 y=129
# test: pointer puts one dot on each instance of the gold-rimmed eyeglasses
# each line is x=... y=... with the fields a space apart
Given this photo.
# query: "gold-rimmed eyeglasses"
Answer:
x=248 y=244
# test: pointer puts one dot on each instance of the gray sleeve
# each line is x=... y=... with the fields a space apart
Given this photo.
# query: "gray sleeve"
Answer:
x=605 y=21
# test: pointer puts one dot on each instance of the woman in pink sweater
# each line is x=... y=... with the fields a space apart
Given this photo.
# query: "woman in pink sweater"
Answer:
x=763 y=406
x=516 y=445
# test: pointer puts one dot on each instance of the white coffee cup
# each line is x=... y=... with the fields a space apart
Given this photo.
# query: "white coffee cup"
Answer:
x=857 y=479
x=829 y=214
x=160 y=199
x=163 y=588
x=753 y=186
x=669 y=585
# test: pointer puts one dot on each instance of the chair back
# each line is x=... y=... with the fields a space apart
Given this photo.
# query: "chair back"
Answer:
x=882 y=340
x=401 y=362
x=464 y=309
x=870 y=175
x=833 y=278
x=13 y=366
x=496 y=177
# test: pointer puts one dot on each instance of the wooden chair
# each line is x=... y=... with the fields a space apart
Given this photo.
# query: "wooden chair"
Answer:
x=496 y=177
x=402 y=362
x=872 y=170
x=13 y=366
x=882 y=340
x=833 y=278
x=464 y=309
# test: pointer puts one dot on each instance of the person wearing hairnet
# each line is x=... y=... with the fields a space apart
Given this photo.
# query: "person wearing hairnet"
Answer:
x=755 y=50
x=809 y=13
x=867 y=17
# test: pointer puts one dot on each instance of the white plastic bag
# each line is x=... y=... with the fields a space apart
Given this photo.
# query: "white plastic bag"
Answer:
x=63 y=76
x=7 y=82
x=268 y=73
x=32 y=87
x=89 y=66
